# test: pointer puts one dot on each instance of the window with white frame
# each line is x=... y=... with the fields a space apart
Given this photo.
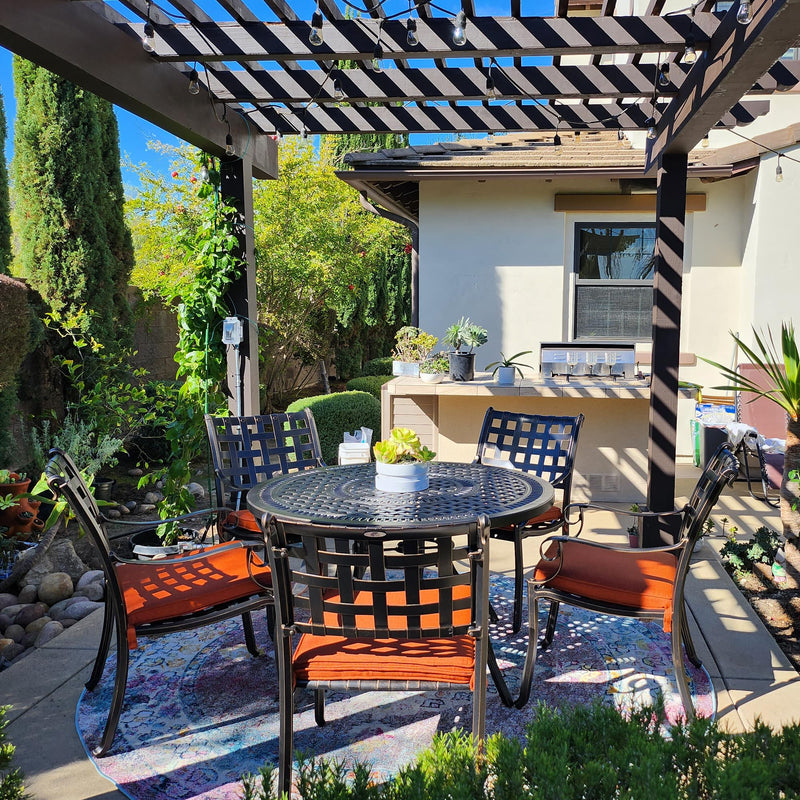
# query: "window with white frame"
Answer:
x=614 y=264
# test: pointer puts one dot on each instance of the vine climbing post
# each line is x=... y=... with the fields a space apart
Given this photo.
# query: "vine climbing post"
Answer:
x=236 y=186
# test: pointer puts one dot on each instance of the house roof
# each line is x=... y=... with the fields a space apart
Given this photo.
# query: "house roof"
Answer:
x=391 y=177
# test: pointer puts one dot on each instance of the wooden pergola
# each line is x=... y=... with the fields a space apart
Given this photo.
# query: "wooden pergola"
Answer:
x=230 y=78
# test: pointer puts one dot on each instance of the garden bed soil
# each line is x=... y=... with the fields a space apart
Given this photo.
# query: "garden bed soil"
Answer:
x=777 y=604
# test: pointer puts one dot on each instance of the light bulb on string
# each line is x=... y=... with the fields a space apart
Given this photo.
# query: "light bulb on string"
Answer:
x=744 y=14
x=689 y=53
x=460 y=29
x=557 y=141
x=411 y=37
x=230 y=149
x=315 y=36
x=304 y=132
x=194 y=82
x=377 y=57
x=779 y=171
x=663 y=74
x=204 y=174
x=148 y=37
x=338 y=92
x=651 y=127
x=491 y=89
x=704 y=141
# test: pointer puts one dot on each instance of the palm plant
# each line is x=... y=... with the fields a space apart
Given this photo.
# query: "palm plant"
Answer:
x=782 y=372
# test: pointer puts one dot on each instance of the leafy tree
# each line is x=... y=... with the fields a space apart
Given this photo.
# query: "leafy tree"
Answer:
x=65 y=190
x=5 y=218
x=316 y=250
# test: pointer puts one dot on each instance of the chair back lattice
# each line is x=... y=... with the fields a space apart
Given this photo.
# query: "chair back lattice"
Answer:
x=246 y=450
x=370 y=584
x=543 y=445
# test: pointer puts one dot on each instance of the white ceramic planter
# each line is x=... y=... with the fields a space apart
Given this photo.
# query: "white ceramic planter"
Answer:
x=406 y=368
x=505 y=376
x=411 y=476
x=431 y=377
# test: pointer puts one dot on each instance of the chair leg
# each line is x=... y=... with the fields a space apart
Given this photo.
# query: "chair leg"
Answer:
x=498 y=679
x=120 y=682
x=271 y=622
x=249 y=634
x=319 y=707
x=530 y=655
x=680 y=673
x=283 y=652
x=550 y=629
x=688 y=644
x=102 y=650
x=518 y=582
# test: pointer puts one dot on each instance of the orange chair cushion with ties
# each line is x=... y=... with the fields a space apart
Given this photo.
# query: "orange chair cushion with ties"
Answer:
x=166 y=588
x=630 y=578
x=242 y=519
x=552 y=515
x=331 y=658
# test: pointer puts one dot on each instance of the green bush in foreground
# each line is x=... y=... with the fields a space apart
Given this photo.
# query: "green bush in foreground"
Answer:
x=584 y=752
x=368 y=383
x=11 y=786
x=743 y=556
x=378 y=366
x=340 y=412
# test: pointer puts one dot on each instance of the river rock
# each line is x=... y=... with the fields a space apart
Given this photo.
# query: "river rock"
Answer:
x=12 y=611
x=37 y=624
x=131 y=505
x=67 y=623
x=62 y=604
x=135 y=472
x=145 y=508
x=4 y=642
x=79 y=610
x=29 y=613
x=11 y=651
x=151 y=498
x=8 y=599
x=93 y=591
x=113 y=513
x=48 y=632
x=124 y=510
x=61 y=557
x=5 y=621
x=15 y=632
x=55 y=587
x=196 y=490
x=28 y=594
x=92 y=576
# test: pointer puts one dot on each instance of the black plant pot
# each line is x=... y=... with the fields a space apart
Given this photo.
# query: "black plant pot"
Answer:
x=462 y=366
x=104 y=488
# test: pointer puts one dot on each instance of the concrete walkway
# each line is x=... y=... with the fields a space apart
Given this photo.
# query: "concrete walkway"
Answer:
x=752 y=677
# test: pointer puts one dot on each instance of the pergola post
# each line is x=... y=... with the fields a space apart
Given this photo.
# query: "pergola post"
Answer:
x=237 y=190
x=670 y=236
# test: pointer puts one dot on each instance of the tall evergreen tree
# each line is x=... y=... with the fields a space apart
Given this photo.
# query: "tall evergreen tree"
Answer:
x=63 y=192
x=5 y=218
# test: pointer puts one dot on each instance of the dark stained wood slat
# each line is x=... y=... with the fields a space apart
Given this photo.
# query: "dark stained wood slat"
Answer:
x=354 y=39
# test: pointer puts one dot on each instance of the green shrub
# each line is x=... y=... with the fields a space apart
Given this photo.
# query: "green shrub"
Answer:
x=11 y=786
x=584 y=751
x=368 y=383
x=378 y=366
x=742 y=556
x=340 y=412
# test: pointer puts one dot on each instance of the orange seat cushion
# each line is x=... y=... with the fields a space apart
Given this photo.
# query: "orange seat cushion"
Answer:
x=163 y=589
x=332 y=658
x=634 y=579
x=242 y=519
x=552 y=515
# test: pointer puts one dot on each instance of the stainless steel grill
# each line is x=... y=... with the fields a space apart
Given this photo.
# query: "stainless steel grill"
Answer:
x=588 y=359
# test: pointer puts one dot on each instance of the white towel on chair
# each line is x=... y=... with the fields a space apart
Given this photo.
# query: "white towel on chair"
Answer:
x=738 y=431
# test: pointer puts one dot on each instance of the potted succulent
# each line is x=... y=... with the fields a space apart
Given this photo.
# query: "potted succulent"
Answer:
x=401 y=462
x=18 y=512
x=464 y=336
x=434 y=368
x=506 y=368
x=412 y=346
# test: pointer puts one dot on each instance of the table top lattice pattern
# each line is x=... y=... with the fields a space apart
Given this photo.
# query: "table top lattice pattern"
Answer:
x=457 y=493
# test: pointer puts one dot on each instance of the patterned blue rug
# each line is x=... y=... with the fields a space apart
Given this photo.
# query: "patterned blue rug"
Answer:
x=200 y=711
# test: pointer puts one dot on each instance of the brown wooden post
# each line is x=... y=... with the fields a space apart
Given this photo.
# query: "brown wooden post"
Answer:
x=670 y=234
x=237 y=190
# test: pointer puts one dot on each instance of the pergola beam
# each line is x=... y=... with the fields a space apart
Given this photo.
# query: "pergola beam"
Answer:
x=725 y=75
x=80 y=45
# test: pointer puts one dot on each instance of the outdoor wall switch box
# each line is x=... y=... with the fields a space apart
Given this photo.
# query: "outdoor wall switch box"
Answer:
x=232 y=330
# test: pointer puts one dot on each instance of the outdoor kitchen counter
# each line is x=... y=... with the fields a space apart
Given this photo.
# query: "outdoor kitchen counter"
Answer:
x=611 y=464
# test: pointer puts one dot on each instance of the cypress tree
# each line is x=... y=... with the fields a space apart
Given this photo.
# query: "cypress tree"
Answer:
x=5 y=218
x=61 y=192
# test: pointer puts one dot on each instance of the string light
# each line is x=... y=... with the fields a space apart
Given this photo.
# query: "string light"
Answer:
x=704 y=141
x=651 y=127
x=491 y=89
x=230 y=149
x=338 y=92
x=744 y=14
x=663 y=74
x=460 y=29
x=557 y=140
x=148 y=34
x=377 y=57
x=779 y=170
x=689 y=53
x=194 y=82
x=315 y=36
x=411 y=27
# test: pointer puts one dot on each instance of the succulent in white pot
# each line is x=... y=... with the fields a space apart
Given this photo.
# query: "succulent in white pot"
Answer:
x=401 y=462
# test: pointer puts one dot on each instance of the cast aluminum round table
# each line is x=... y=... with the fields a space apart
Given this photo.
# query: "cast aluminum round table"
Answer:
x=347 y=495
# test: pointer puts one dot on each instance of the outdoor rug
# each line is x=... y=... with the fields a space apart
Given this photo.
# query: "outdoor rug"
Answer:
x=200 y=711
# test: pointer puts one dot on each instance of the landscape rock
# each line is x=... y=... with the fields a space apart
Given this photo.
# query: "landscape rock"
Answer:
x=48 y=632
x=55 y=587
x=29 y=638
x=12 y=651
x=113 y=513
x=124 y=510
x=131 y=505
x=196 y=490
x=4 y=642
x=79 y=610
x=135 y=472
x=61 y=557
x=5 y=621
x=61 y=605
x=145 y=508
x=92 y=576
x=12 y=611
x=14 y=632
x=35 y=626
x=93 y=591
x=29 y=613
x=8 y=599
x=67 y=623
x=28 y=594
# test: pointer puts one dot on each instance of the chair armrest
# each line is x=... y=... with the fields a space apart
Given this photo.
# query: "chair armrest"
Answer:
x=561 y=540
x=153 y=523
x=199 y=552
